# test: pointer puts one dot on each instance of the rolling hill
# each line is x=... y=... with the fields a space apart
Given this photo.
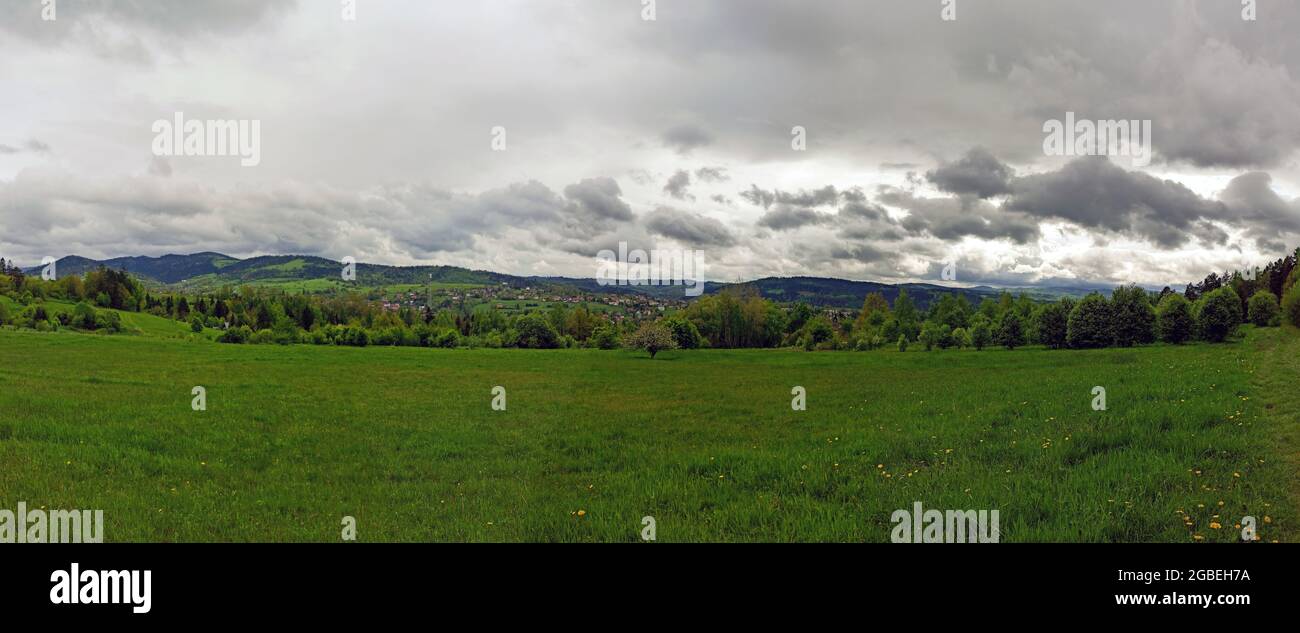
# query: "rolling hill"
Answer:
x=303 y=273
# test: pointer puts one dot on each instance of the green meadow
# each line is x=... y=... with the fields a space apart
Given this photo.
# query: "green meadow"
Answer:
x=405 y=440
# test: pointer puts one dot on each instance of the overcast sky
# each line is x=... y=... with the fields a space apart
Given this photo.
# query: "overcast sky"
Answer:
x=924 y=136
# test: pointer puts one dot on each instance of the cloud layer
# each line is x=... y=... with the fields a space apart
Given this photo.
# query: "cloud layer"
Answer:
x=924 y=136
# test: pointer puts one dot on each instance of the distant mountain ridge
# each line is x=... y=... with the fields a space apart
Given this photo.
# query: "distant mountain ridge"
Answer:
x=208 y=270
x=215 y=269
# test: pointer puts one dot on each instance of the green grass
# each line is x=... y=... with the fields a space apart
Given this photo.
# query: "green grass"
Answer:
x=405 y=440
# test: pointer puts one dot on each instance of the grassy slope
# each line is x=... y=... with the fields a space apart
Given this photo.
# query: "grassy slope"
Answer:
x=405 y=440
x=133 y=322
x=1276 y=379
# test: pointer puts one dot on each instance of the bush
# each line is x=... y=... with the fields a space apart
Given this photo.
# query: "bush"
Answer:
x=447 y=339
x=83 y=316
x=1218 y=314
x=1291 y=305
x=1174 y=323
x=1132 y=317
x=1263 y=309
x=902 y=342
x=263 y=337
x=1090 y=322
x=196 y=325
x=604 y=337
x=236 y=335
x=816 y=332
x=354 y=336
x=536 y=332
x=5 y=317
x=387 y=337
x=108 y=321
x=653 y=338
x=285 y=332
x=35 y=316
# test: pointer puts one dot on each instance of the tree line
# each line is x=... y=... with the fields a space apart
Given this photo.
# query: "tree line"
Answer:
x=739 y=317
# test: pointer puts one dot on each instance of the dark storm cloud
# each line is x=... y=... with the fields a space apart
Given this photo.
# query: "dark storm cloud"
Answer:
x=599 y=199
x=978 y=172
x=691 y=228
x=1210 y=234
x=1095 y=193
x=953 y=218
x=1254 y=204
x=1251 y=198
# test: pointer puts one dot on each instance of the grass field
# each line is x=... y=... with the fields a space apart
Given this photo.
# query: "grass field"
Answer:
x=405 y=440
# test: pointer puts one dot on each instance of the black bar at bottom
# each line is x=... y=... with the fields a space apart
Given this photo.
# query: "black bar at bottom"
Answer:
x=232 y=583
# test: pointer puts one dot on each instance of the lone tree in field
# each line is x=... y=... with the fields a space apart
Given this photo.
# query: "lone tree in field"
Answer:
x=653 y=338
